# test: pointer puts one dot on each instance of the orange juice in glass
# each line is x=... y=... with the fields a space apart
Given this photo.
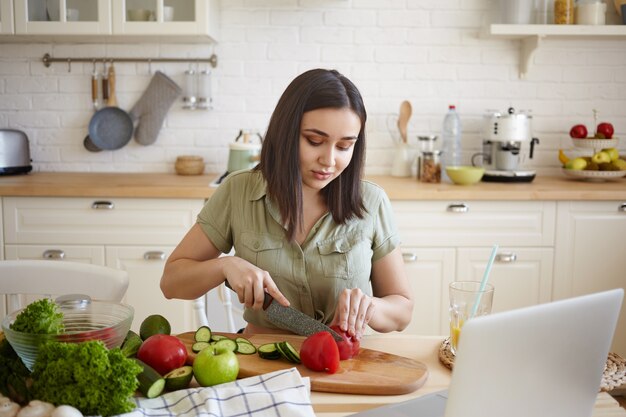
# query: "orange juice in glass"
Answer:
x=463 y=296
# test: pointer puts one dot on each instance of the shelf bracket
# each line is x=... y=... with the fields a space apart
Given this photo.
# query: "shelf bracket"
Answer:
x=530 y=44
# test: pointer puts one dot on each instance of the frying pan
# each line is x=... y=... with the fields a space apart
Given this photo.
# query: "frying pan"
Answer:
x=110 y=128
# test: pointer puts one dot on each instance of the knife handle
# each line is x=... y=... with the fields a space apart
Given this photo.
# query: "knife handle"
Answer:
x=266 y=301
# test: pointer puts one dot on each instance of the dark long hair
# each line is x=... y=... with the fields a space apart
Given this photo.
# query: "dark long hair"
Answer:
x=280 y=155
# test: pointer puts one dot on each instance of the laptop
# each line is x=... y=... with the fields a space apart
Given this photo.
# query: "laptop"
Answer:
x=545 y=360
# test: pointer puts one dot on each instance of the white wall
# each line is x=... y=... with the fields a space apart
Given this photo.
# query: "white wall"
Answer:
x=426 y=51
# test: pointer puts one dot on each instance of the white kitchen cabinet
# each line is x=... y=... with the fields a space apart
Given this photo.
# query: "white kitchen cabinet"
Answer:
x=127 y=233
x=453 y=241
x=6 y=17
x=590 y=253
x=184 y=20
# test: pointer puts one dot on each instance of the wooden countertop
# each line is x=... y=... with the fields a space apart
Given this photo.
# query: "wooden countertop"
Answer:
x=424 y=349
x=157 y=185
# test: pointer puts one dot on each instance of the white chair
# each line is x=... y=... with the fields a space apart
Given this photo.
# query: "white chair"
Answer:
x=22 y=278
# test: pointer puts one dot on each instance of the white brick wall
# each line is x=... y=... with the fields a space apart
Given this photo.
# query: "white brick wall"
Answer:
x=426 y=51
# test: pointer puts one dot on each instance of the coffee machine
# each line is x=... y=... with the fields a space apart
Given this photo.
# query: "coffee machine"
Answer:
x=507 y=145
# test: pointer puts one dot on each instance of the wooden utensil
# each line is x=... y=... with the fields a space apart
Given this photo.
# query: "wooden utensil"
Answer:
x=371 y=372
x=403 y=119
x=112 y=101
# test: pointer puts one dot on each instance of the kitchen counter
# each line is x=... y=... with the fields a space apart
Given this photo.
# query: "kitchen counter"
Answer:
x=424 y=349
x=155 y=185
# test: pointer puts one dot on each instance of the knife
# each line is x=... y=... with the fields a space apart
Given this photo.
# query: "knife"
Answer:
x=289 y=318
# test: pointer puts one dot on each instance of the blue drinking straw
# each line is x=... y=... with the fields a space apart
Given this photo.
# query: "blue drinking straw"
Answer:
x=483 y=283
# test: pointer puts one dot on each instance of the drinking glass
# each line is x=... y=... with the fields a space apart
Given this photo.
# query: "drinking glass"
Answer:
x=467 y=301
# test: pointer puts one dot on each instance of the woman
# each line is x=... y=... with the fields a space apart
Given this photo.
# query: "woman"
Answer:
x=305 y=228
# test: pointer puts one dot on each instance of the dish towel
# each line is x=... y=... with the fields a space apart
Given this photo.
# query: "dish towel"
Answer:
x=282 y=393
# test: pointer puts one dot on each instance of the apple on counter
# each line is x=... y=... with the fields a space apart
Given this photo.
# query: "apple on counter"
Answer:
x=215 y=365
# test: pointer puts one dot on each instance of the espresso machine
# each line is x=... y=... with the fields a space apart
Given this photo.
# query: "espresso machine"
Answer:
x=507 y=146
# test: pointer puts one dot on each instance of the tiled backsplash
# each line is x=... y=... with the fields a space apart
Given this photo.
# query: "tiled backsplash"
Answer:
x=428 y=52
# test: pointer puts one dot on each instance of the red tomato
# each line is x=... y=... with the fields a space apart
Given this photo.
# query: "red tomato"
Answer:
x=163 y=352
x=349 y=346
x=319 y=352
x=578 y=132
x=606 y=129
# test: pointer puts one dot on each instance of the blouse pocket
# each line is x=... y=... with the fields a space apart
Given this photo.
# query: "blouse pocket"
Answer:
x=339 y=257
x=261 y=250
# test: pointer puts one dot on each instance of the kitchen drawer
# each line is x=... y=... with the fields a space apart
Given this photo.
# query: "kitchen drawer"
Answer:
x=89 y=254
x=475 y=223
x=98 y=220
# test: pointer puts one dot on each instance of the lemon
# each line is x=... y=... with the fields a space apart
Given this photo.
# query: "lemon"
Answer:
x=154 y=324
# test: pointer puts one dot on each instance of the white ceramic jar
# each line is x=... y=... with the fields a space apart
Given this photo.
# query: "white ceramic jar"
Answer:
x=590 y=12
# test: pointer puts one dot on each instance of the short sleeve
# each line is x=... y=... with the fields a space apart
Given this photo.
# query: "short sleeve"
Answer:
x=215 y=217
x=385 y=236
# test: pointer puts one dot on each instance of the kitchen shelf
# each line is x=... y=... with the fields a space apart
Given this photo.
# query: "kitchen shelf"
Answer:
x=531 y=36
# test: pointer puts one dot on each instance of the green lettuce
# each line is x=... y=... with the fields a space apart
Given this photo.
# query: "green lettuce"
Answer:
x=40 y=317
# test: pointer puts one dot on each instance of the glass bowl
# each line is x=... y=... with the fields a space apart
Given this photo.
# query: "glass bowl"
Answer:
x=92 y=320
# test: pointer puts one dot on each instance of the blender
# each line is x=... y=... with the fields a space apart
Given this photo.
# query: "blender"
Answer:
x=507 y=145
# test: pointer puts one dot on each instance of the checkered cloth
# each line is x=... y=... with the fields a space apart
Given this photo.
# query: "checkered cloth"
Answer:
x=282 y=394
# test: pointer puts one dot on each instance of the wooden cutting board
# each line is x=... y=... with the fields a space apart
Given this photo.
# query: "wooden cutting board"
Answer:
x=372 y=372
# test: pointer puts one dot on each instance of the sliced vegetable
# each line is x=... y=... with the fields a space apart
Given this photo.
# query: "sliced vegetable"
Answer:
x=243 y=340
x=269 y=351
x=245 y=348
x=349 y=346
x=198 y=346
x=131 y=344
x=203 y=334
x=179 y=378
x=217 y=337
x=151 y=383
x=289 y=352
x=319 y=352
x=227 y=344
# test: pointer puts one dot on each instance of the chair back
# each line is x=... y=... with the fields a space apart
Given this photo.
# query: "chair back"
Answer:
x=20 y=280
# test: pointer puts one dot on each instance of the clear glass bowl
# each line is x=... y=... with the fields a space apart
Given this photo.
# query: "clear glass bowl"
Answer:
x=93 y=320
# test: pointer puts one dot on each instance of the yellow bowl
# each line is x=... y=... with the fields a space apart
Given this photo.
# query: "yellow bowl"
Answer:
x=465 y=175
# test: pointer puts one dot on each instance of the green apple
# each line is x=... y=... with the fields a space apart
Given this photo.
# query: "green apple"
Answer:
x=576 y=164
x=613 y=153
x=214 y=366
x=620 y=164
x=601 y=157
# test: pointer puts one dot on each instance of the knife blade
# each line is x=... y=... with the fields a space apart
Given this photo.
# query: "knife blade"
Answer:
x=288 y=318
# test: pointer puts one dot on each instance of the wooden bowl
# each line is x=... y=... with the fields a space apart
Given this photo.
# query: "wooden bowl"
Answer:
x=189 y=165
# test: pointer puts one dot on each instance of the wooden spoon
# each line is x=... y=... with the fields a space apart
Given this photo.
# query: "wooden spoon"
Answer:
x=403 y=119
x=112 y=101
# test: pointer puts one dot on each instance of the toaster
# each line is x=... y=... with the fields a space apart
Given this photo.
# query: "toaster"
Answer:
x=14 y=152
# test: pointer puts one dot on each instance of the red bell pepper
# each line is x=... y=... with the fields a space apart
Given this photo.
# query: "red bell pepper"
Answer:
x=319 y=352
x=349 y=346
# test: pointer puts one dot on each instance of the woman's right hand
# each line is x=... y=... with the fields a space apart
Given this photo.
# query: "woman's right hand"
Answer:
x=251 y=283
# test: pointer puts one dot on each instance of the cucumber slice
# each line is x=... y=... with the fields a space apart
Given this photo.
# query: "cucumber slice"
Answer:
x=151 y=384
x=268 y=351
x=179 y=378
x=243 y=340
x=289 y=352
x=203 y=334
x=217 y=337
x=228 y=344
x=245 y=348
x=198 y=346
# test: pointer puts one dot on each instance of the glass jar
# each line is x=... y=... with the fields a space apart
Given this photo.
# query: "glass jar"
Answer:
x=564 y=12
x=426 y=143
x=429 y=167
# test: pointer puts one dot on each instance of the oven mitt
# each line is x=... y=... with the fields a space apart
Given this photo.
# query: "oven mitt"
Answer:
x=151 y=109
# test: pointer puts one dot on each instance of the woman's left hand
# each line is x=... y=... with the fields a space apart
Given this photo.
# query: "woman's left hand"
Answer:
x=354 y=310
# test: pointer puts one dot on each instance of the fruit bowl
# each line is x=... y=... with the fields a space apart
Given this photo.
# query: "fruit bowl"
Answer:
x=465 y=175
x=93 y=320
x=595 y=143
x=594 y=175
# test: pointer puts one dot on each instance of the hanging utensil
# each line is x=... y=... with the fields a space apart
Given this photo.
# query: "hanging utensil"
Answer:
x=403 y=119
x=94 y=87
x=105 y=84
x=112 y=101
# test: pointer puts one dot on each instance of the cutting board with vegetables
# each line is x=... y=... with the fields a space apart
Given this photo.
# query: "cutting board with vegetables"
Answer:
x=371 y=372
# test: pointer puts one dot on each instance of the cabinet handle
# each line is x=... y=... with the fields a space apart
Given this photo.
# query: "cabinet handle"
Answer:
x=622 y=208
x=102 y=205
x=53 y=254
x=458 y=208
x=409 y=257
x=506 y=257
x=154 y=255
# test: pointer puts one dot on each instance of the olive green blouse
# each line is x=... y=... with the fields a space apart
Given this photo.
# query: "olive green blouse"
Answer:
x=312 y=275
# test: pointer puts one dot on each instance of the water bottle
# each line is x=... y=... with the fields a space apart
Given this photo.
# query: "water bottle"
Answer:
x=451 y=137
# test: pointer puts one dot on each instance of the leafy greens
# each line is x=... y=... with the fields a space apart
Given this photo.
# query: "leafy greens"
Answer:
x=40 y=317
